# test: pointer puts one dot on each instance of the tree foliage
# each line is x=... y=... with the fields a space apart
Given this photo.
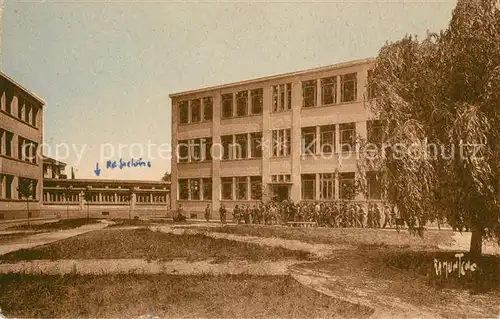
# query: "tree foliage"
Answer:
x=166 y=177
x=440 y=101
x=26 y=189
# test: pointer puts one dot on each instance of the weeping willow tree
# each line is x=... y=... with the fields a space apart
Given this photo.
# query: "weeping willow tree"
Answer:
x=440 y=101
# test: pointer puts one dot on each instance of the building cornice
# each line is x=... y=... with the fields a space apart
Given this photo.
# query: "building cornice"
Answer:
x=276 y=77
x=33 y=95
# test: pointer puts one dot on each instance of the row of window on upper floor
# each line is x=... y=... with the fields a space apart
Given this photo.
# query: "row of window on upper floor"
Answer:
x=26 y=111
x=26 y=149
x=332 y=90
x=314 y=140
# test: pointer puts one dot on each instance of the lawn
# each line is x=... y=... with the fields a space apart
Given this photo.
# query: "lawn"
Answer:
x=409 y=276
x=346 y=236
x=59 y=225
x=167 y=296
x=152 y=245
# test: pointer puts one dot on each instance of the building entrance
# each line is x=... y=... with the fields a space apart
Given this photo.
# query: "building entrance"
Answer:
x=281 y=193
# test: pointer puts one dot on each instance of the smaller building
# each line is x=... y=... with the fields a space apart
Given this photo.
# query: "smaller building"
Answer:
x=53 y=169
x=75 y=198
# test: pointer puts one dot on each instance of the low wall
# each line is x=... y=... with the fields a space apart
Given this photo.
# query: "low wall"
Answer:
x=103 y=211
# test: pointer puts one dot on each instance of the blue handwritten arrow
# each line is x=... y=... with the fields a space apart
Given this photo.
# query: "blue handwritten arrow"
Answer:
x=97 y=171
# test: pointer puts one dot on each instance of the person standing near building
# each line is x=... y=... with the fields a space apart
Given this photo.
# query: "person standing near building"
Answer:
x=208 y=212
x=222 y=214
x=317 y=212
x=246 y=214
x=236 y=215
x=362 y=215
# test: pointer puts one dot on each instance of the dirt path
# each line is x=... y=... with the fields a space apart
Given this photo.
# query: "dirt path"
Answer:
x=141 y=266
x=48 y=237
x=321 y=251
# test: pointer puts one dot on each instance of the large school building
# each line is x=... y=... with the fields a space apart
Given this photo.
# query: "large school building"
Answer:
x=289 y=136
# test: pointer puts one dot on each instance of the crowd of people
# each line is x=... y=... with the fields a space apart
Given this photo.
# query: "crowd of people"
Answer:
x=325 y=214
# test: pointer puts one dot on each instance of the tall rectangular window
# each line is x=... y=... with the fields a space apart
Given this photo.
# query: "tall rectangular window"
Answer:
x=309 y=93
x=289 y=96
x=308 y=186
x=348 y=137
x=207 y=148
x=327 y=138
x=282 y=97
x=281 y=142
x=207 y=188
x=327 y=185
x=227 y=188
x=183 y=112
x=20 y=148
x=348 y=83
x=256 y=144
x=9 y=137
x=195 y=146
x=242 y=103
x=374 y=185
x=257 y=101
x=9 y=96
x=33 y=152
x=375 y=132
x=183 y=189
x=27 y=112
x=1 y=177
x=195 y=111
x=241 y=188
x=347 y=186
x=309 y=140
x=241 y=150
x=227 y=145
x=208 y=108
x=9 y=179
x=183 y=151
x=371 y=86
x=329 y=90
x=227 y=106
x=20 y=109
x=34 y=112
x=194 y=189
x=256 y=187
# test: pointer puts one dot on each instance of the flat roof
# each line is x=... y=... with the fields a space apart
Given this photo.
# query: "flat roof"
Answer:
x=47 y=159
x=276 y=77
x=36 y=97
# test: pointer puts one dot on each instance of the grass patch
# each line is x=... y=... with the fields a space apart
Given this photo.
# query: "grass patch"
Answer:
x=167 y=296
x=407 y=276
x=151 y=245
x=59 y=225
x=346 y=236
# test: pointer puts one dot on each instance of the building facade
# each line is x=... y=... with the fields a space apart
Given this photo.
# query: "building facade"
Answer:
x=290 y=136
x=21 y=132
x=78 y=198
x=75 y=198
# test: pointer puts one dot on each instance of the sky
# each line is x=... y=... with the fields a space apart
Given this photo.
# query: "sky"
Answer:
x=106 y=68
